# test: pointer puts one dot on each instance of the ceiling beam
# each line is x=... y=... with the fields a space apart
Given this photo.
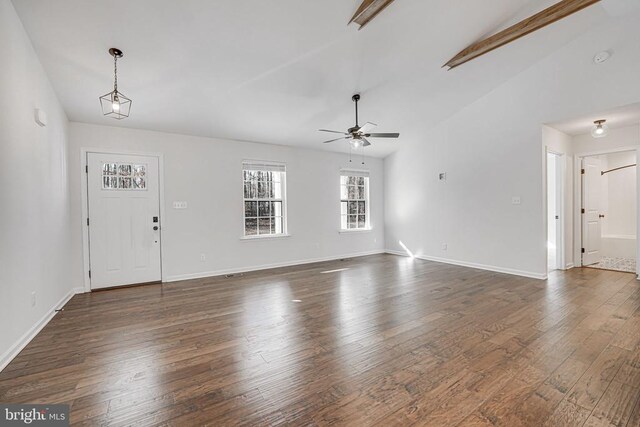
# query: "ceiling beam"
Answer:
x=368 y=10
x=540 y=20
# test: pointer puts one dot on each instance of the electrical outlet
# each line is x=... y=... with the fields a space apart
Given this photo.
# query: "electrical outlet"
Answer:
x=515 y=200
x=180 y=205
x=203 y=257
x=444 y=246
x=33 y=299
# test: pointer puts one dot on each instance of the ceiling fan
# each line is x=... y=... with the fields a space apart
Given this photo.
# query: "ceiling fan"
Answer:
x=357 y=135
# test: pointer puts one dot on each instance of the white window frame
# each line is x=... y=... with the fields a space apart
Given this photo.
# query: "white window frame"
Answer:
x=367 y=200
x=266 y=167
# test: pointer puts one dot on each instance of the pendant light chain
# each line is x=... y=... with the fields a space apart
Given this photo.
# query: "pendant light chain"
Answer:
x=115 y=73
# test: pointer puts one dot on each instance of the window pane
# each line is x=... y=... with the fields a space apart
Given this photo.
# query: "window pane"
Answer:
x=124 y=170
x=362 y=208
x=262 y=189
x=352 y=180
x=251 y=226
x=264 y=208
x=361 y=180
x=278 y=228
x=264 y=225
x=139 y=170
x=109 y=182
x=362 y=221
x=250 y=209
x=353 y=221
x=270 y=188
x=277 y=194
x=139 y=183
x=352 y=191
x=361 y=193
x=247 y=189
x=124 y=183
x=109 y=169
x=353 y=208
x=276 y=208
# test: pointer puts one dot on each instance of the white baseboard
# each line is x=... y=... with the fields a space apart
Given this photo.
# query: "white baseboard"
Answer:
x=16 y=348
x=511 y=271
x=179 y=277
x=569 y=266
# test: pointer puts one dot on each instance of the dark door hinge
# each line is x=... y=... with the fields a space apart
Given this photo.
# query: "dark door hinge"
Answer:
x=86 y=169
x=582 y=171
x=582 y=250
x=582 y=210
x=89 y=274
x=87 y=222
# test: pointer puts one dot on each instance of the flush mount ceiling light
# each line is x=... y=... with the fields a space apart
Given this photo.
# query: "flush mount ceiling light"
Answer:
x=599 y=130
x=115 y=104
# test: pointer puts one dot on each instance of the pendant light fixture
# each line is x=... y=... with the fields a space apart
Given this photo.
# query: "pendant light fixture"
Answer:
x=115 y=104
x=599 y=130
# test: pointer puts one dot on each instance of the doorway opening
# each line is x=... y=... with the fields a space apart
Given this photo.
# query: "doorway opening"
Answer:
x=555 y=178
x=608 y=210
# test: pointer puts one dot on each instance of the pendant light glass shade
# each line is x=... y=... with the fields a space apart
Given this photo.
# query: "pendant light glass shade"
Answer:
x=114 y=104
x=600 y=129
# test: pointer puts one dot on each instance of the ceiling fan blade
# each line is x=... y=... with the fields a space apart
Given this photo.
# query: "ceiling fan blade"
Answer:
x=366 y=127
x=365 y=143
x=382 y=135
x=337 y=139
x=332 y=131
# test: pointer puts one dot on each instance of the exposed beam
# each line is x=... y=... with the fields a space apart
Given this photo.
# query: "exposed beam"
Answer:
x=540 y=20
x=368 y=10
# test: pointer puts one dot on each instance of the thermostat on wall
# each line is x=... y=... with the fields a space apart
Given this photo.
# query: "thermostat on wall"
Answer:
x=40 y=117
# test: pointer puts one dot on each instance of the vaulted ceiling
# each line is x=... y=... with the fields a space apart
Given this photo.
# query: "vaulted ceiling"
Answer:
x=276 y=71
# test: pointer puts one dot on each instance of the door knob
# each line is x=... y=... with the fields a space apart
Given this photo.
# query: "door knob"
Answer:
x=155 y=228
x=601 y=216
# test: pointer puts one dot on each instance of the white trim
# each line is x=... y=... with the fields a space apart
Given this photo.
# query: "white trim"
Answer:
x=569 y=266
x=85 y=204
x=510 y=271
x=355 y=230
x=265 y=237
x=180 y=277
x=25 y=339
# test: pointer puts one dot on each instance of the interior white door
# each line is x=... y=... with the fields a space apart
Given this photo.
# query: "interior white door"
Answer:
x=124 y=219
x=591 y=202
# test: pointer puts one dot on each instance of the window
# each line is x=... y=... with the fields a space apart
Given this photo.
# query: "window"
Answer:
x=264 y=199
x=123 y=176
x=354 y=200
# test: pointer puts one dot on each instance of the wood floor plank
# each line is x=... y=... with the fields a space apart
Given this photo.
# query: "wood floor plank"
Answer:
x=377 y=340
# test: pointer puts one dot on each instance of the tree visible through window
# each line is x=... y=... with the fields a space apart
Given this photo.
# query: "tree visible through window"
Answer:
x=354 y=200
x=264 y=212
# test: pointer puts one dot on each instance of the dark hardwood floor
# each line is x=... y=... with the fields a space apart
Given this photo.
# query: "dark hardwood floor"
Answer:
x=379 y=340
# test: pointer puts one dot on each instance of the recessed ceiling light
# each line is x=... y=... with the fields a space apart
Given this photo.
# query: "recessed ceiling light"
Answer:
x=602 y=57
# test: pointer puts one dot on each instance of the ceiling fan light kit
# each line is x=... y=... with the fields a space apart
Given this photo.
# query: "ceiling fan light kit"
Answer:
x=600 y=129
x=114 y=104
x=357 y=135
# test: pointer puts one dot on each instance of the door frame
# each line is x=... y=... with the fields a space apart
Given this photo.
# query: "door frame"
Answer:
x=561 y=176
x=577 y=198
x=84 y=194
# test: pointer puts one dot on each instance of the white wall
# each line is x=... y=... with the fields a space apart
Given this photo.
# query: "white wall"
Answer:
x=34 y=212
x=206 y=173
x=491 y=151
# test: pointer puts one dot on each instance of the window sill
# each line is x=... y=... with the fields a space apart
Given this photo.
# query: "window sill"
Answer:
x=265 y=237
x=356 y=230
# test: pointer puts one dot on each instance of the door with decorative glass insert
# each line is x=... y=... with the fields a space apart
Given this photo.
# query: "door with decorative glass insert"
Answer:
x=124 y=219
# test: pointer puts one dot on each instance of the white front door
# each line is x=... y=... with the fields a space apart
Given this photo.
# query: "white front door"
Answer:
x=591 y=194
x=124 y=219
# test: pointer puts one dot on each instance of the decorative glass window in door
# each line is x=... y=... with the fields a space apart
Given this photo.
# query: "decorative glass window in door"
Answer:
x=124 y=176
